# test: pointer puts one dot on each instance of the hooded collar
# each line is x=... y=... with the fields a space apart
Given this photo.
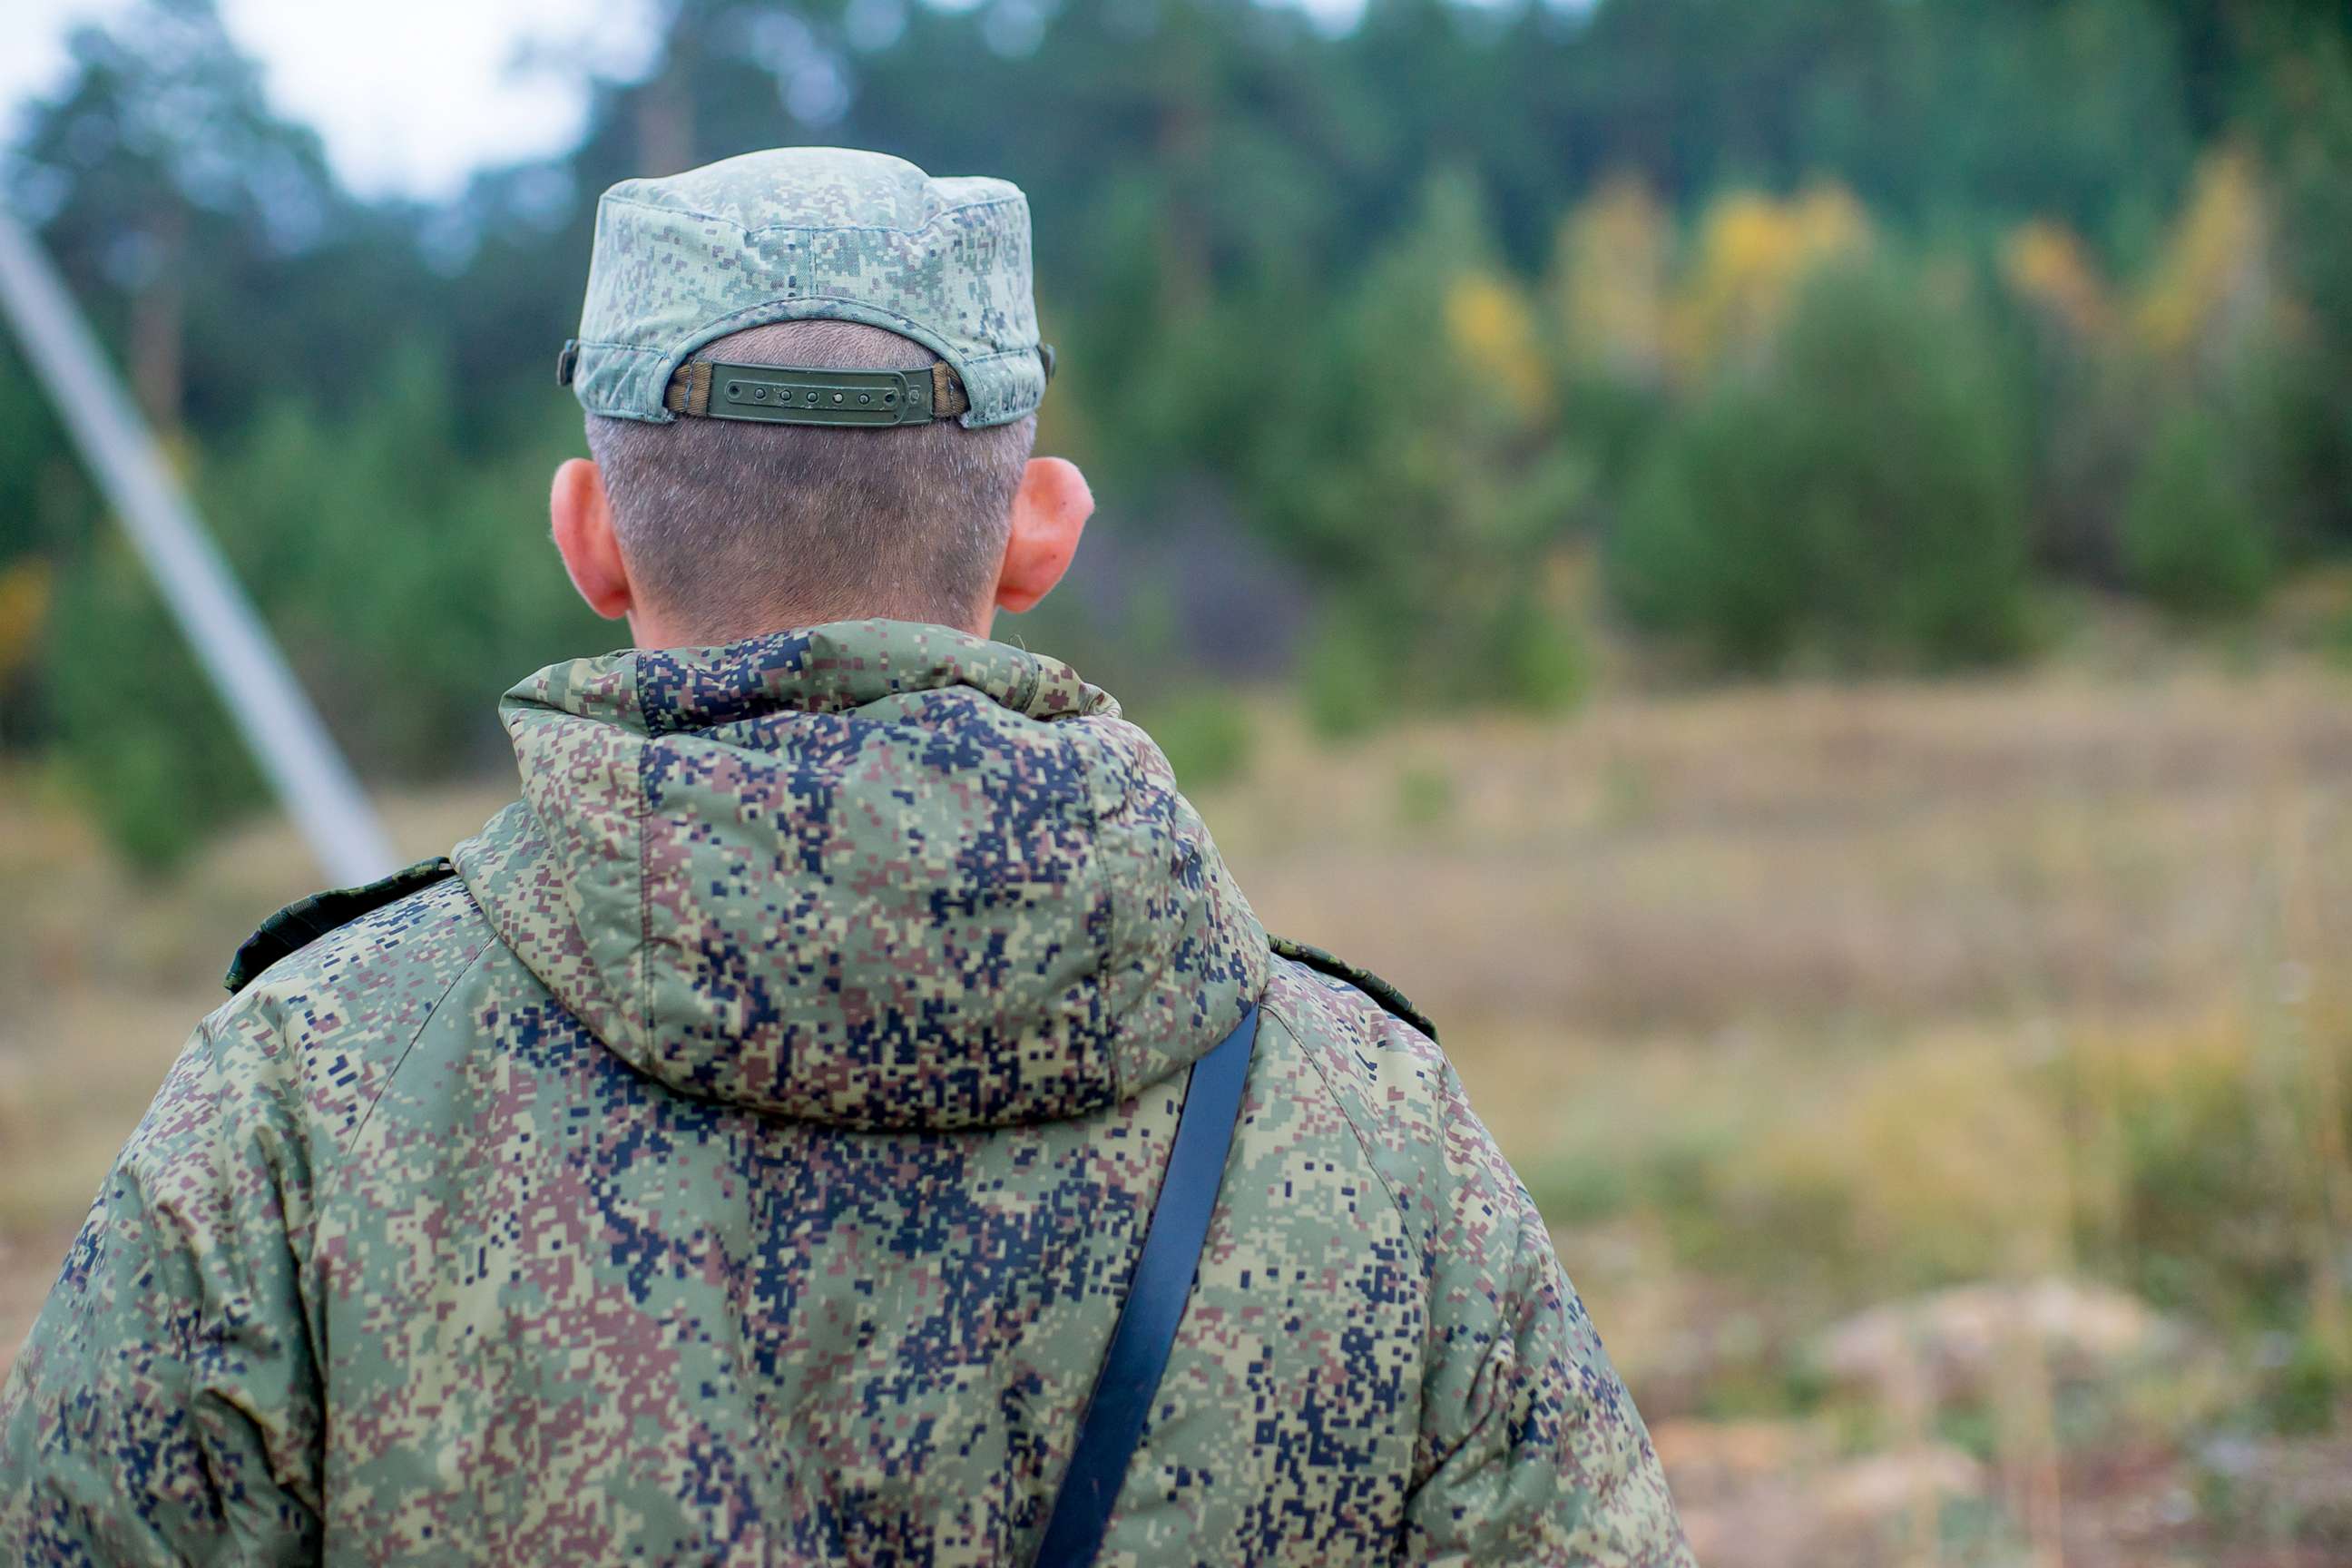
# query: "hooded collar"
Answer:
x=875 y=874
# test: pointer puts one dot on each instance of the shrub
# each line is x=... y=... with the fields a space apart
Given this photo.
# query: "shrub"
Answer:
x=1426 y=796
x=141 y=735
x=1205 y=735
x=1422 y=470
x=1342 y=680
x=1858 y=492
x=1537 y=655
x=2194 y=540
x=406 y=592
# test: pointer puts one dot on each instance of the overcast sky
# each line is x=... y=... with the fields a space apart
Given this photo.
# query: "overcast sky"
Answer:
x=409 y=96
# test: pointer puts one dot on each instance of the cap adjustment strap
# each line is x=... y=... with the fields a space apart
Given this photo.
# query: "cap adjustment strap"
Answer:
x=804 y=394
x=800 y=394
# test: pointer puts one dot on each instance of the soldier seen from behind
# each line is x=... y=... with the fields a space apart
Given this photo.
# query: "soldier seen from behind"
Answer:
x=844 y=1112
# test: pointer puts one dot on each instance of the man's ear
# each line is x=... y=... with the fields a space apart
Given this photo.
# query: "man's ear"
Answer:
x=583 y=524
x=1049 y=511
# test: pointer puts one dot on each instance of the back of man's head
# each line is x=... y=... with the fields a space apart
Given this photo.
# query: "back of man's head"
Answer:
x=732 y=528
x=769 y=452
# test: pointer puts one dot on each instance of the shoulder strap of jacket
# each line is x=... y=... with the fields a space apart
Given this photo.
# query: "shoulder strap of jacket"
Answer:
x=305 y=921
x=1391 y=999
x=1145 y=1333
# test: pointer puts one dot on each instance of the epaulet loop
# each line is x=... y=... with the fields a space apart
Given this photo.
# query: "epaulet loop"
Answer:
x=305 y=921
x=1391 y=1000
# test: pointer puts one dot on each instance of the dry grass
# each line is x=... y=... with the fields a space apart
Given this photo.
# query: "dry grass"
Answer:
x=1791 y=1001
x=104 y=977
x=1786 y=1000
x=1900 y=850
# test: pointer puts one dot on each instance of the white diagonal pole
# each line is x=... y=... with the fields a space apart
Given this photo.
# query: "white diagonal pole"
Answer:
x=279 y=726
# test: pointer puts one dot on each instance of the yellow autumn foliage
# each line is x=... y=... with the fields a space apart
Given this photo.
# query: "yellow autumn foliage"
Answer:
x=1754 y=251
x=2045 y=265
x=25 y=591
x=1609 y=277
x=1491 y=327
x=2212 y=277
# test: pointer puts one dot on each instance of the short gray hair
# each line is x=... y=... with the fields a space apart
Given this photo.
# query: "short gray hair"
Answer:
x=731 y=529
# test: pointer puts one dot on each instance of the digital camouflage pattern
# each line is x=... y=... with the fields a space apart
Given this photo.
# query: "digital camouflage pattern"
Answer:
x=741 y=1160
x=800 y=232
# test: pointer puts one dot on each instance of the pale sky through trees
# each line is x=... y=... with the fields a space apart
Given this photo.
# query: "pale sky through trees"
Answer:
x=410 y=99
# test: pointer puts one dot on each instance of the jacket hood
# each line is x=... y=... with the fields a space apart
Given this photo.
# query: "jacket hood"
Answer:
x=875 y=874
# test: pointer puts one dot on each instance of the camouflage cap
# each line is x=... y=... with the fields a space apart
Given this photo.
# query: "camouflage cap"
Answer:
x=801 y=233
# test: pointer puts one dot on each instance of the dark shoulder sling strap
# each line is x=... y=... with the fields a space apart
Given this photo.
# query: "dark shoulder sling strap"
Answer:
x=1145 y=1333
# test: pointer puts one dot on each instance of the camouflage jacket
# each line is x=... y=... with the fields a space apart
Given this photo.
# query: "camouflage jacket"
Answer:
x=741 y=1157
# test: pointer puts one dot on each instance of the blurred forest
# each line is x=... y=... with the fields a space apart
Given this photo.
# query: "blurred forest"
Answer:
x=1819 y=335
x=1785 y=566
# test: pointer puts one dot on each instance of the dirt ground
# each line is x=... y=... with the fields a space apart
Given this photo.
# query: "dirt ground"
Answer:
x=1863 y=1046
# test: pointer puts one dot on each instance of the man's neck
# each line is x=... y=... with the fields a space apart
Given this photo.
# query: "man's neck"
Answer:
x=650 y=629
